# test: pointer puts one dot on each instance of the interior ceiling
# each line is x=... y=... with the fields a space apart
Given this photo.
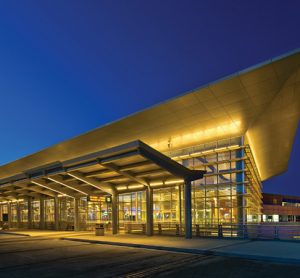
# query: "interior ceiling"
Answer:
x=262 y=102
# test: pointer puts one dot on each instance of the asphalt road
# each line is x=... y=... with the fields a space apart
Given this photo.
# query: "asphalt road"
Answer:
x=51 y=257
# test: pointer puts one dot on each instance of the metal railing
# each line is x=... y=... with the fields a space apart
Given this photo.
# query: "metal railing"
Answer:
x=168 y=228
x=133 y=228
x=249 y=231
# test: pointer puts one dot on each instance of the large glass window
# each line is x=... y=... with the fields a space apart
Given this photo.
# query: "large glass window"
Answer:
x=132 y=208
x=66 y=213
x=98 y=210
x=3 y=212
x=35 y=213
x=166 y=205
x=14 y=212
x=23 y=212
x=49 y=210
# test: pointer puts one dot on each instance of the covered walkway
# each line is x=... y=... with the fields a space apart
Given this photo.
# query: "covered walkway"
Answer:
x=130 y=167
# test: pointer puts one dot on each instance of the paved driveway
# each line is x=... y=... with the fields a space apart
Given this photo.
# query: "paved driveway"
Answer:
x=51 y=257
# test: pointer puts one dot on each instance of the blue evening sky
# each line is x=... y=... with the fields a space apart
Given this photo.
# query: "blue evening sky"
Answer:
x=69 y=66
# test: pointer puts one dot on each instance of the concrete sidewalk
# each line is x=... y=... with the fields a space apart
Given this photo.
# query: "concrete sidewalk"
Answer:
x=272 y=251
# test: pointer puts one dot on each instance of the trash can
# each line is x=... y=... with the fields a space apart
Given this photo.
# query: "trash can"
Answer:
x=99 y=230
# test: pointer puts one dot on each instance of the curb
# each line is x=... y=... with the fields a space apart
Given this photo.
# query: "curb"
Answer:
x=13 y=233
x=146 y=246
x=191 y=251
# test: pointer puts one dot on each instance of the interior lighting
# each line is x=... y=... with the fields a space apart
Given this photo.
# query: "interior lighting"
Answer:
x=221 y=149
x=121 y=187
x=49 y=188
x=232 y=147
x=156 y=183
x=66 y=185
x=135 y=186
x=173 y=181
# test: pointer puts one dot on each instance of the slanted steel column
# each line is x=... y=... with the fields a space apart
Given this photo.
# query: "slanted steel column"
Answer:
x=56 y=214
x=18 y=215
x=149 y=205
x=188 y=209
x=240 y=188
x=29 y=217
x=114 y=208
x=42 y=213
x=76 y=214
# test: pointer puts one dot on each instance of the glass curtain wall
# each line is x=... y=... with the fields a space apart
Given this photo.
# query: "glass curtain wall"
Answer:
x=49 y=214
x=253 y=188
x=166 y=205
x=23 y=214
x=214 y=199
x=66 y=213
x=230 y=192
x=98 y=211
x=35 y=210
x=132 y=208
x=14 y=215
x=83 y=214
x=3 y=212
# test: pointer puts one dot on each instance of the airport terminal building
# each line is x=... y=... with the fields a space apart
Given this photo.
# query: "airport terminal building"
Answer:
x=194 y=161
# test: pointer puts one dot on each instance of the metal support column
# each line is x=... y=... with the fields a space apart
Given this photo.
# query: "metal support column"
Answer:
x=42 y=213
x=114 y=208
x=188 y=209
x=29 y=217
x=149 y=204
x=56 y=214
x=76 y=214
x=240 y=192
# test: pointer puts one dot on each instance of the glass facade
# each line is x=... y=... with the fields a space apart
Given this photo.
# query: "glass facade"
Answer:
x=229 y=194
x=35 y=210
x=49 y=213
x=14 y=214
x=23 y=206
x=66 y=213
x=132 y=208
x=166 y=205
x=3 y=212
x=97 y=211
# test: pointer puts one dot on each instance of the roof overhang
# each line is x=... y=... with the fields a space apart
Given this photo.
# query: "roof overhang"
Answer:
x=129 y=167
x=262 y=102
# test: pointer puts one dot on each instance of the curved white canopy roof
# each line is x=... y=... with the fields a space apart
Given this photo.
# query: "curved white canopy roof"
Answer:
x=262 y=102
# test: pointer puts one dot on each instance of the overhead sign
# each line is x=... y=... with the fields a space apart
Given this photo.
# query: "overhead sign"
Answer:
x=108 y=199
x=94 y=199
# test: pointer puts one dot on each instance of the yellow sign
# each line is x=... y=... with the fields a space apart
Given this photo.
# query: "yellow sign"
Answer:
x=94 y=198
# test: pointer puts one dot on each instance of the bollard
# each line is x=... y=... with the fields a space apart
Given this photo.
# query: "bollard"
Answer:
x=245 y=231
x=197 y=230
x=276 y=232
x=177 y=230
x=220 y=231
x=159 y=229
x=144 y=228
